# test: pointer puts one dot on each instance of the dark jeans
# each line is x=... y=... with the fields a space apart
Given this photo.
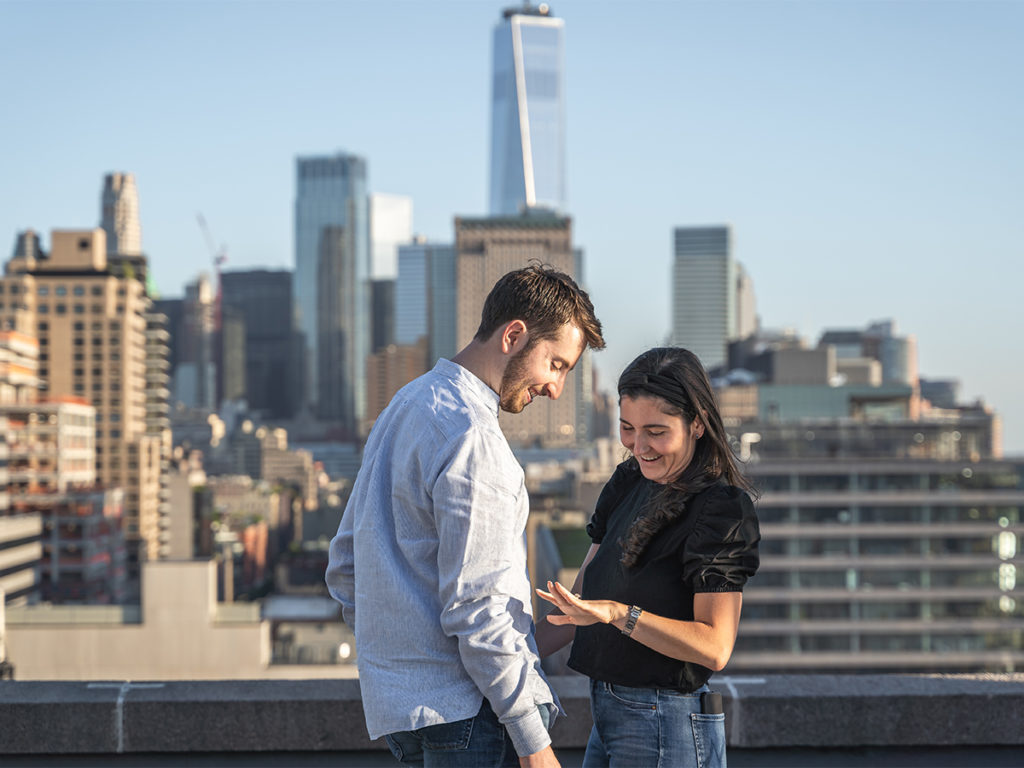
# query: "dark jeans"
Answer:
x=477 y=742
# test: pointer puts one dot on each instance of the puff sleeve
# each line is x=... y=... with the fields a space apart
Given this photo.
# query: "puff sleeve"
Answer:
x=721 y=552
x=612 y=493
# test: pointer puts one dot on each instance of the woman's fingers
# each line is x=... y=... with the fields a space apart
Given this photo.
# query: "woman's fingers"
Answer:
x=559 y=619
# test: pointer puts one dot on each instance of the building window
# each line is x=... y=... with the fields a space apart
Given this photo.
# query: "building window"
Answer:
x=79 y=326
x=44 y=290
x=78 y=290
x=97 y=372
x=43 y=326
x=97 y=290
x=61 y=290
x=43 y=309
x=79 y=309
x=61 y=309
x=97 y=309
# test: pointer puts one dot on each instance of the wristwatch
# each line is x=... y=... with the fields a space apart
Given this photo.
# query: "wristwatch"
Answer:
x=634 y=614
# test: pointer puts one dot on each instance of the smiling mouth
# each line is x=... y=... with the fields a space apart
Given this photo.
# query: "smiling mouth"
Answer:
x=649 y=458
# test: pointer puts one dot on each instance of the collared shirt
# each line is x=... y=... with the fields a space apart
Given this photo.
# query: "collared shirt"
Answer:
x=429 y=565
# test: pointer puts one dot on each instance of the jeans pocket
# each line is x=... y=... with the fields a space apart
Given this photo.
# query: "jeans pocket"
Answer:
x=447 y=736
x=709 y=738
x=637 y=698
x=402 y=745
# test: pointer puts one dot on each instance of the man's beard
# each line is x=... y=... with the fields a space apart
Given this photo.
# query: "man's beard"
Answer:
x=513 y=382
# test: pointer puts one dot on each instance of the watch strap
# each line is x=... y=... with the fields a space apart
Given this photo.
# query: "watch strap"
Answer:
x=634 y=614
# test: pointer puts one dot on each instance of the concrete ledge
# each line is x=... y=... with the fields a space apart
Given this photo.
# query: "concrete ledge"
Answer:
x=281 y=716
x=873 y=710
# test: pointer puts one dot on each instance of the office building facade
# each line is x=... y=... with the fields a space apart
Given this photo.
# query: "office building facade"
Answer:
x=120 y=215
x=528 y=112
x=262 y=300
x=704 y=283
x=425 y=298
x=486 y=249
x=331 y=283
x=92 y=332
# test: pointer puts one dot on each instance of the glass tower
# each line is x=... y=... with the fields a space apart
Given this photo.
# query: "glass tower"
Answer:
x=528 y=112
x=331 y=287
x=704 y=293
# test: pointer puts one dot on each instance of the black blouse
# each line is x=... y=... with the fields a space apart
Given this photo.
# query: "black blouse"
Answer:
x=710 y=547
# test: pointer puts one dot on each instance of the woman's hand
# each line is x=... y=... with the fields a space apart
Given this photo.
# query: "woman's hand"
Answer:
x=581 y=613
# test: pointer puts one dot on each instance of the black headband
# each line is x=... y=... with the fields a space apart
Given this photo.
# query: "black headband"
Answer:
x=665 y=387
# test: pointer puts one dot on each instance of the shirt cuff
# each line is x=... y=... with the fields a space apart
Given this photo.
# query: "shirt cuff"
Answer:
x=528 y=733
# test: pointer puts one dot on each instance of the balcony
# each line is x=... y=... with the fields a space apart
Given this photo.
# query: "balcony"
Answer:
x=771 y=720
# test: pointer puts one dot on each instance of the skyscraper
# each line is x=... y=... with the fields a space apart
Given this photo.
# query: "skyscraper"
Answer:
x=528 y=112
x=487 y=248
x=263 y=300
x=704 y=293
x=92 y=331
x=425 y=298
x=390 y=227
x=332 y=268
x=120 y=215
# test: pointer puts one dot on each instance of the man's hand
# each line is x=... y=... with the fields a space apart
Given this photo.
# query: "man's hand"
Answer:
x=543 y=759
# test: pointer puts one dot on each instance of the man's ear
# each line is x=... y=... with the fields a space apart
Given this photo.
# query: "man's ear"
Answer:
x=513 y=336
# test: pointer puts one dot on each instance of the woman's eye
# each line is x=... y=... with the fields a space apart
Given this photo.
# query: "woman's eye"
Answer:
x=625 y=428
x=655 y=434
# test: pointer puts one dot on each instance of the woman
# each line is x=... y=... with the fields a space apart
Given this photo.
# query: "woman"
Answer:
x=674 y=541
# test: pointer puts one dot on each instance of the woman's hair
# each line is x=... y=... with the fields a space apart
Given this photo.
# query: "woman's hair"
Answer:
x=676 y=378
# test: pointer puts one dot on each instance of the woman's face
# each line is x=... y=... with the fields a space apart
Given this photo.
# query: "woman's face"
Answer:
x=662 y=444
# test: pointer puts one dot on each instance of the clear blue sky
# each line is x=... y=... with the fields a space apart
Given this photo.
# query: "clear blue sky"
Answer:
x=868 y=155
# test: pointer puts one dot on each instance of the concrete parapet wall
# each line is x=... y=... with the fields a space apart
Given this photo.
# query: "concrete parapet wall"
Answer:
x=280 y=716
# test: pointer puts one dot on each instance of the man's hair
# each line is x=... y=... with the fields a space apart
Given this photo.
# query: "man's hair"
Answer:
x=545 y=300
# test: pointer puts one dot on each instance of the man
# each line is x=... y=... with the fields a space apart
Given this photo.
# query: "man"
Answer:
x=429 y=562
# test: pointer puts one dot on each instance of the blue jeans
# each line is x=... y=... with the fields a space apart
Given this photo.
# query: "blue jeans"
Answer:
x=652 y=727
x=476 y=742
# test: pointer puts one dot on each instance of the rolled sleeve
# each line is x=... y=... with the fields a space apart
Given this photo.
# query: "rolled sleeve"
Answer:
x=481 y=560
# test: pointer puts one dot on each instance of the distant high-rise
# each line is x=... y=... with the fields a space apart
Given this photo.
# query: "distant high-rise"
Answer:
x=92 y=329
x=390 y=227
x=263 y=300
x=704 y=293
x=528 y=112
x=331 y=285
x=486 y=249
x=120 y=215
x=746 y=304
x=425 y=298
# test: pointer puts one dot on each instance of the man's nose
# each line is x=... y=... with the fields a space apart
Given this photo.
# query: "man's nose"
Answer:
x=554 y=388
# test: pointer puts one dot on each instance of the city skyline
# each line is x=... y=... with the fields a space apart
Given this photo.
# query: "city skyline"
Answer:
x=865 y=155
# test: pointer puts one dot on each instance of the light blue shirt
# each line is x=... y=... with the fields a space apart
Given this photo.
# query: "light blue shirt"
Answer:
x=429 y=565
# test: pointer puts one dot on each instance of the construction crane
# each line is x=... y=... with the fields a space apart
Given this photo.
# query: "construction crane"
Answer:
x=219 y=257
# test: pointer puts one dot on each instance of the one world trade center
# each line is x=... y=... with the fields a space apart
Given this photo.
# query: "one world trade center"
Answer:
x=528 y=112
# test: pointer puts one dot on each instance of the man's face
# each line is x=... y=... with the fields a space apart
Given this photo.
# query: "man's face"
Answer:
x=540 y=369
